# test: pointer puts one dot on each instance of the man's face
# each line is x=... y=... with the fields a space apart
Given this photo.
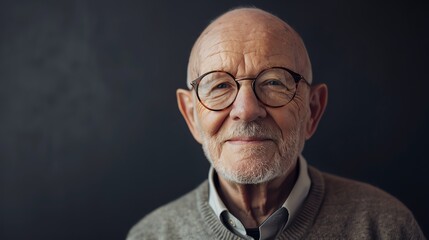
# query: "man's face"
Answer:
x=248 y=142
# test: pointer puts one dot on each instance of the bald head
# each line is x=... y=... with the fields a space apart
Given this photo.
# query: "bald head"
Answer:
x=246 y=40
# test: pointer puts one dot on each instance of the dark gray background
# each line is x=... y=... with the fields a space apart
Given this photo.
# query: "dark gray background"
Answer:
x=91 y=139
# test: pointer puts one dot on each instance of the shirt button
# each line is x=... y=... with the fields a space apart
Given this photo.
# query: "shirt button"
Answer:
x=231 y=222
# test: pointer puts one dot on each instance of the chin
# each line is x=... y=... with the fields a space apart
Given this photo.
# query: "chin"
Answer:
x=247 y=177
x=251 y=165
x=250 y=170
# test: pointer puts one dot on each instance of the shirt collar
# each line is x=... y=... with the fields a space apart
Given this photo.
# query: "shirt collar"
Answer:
x=292 y=204
x=299 y=191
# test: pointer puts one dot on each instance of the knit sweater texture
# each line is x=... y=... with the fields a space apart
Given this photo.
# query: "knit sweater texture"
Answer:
x=335 y=208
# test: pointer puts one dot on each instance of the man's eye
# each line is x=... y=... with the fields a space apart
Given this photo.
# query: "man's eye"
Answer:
x=273 y=82
x=222 y=85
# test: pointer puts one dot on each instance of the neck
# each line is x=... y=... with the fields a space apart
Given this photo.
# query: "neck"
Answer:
x=254 y=203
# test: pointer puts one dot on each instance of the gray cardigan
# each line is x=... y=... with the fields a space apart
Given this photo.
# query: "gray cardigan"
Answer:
x=335 y=208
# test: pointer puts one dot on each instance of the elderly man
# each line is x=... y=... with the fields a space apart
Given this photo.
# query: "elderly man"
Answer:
x=252 y=105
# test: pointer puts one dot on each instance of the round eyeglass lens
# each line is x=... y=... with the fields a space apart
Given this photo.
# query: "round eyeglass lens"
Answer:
x=275 y=87
x=217 y=90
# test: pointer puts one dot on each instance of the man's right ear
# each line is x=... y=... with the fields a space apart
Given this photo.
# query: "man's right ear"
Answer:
x=186 y=106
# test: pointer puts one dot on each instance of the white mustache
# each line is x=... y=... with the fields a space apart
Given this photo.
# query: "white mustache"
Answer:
x=251 y=129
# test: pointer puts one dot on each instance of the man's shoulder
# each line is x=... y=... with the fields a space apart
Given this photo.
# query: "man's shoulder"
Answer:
x=172 y=216
x=344 y=195
x=360 y=209
x=339 y=189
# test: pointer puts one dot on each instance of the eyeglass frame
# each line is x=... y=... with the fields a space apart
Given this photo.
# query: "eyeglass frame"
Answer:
x=296 y=76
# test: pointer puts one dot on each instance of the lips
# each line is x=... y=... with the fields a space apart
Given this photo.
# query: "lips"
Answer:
x=248 y=140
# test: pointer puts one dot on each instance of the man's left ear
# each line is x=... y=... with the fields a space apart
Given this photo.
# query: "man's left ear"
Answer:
x=318 y=101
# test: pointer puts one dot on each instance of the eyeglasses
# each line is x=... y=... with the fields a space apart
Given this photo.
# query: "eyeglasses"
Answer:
x=274 y=87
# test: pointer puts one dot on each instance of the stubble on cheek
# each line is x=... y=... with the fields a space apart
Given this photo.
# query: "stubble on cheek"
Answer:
x=212 y=148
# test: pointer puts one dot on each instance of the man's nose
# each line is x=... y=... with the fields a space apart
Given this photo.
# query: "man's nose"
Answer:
x=246 y=106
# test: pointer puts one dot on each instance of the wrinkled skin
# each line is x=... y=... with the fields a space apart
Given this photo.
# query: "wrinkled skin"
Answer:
x=253 y=148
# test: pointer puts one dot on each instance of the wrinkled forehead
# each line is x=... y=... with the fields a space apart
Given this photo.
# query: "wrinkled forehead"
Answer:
x=244 y=48
x=246 y=42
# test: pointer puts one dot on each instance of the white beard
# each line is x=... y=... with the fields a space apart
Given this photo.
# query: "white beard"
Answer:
x=261 y=163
